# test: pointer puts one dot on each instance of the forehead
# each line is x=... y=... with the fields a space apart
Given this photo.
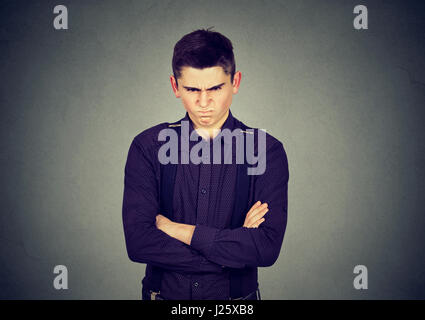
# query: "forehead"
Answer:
x=203 y=77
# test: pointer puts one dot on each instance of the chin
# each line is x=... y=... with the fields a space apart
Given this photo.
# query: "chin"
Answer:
x=208 y=121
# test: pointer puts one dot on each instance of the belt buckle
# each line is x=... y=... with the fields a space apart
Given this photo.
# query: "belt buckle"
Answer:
x=154 y=294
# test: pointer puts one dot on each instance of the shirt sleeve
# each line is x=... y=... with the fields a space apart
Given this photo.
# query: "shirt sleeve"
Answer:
x=145 y=243
x=253 y=247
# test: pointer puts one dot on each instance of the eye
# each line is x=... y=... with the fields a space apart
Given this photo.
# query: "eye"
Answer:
x=216 y=88
x=192 y=89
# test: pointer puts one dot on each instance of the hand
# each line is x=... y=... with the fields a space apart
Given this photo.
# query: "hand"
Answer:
x=254 y=217
x=179 y=231
x=161 y=222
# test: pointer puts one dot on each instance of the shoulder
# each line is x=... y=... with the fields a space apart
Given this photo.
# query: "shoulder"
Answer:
x=148 y=138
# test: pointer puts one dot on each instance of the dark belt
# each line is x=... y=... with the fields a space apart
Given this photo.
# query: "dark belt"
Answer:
x=151 y=295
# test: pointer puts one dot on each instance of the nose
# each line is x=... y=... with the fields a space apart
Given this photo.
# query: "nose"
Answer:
x=203 y=99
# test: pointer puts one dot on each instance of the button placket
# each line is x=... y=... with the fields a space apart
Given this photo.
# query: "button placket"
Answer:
x=196 y=290
x=203 y=194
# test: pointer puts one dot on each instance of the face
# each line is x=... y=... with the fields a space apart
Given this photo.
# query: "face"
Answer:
x=206 y=95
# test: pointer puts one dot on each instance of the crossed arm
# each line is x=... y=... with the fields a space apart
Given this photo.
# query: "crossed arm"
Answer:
x=152 y=238
x=184 y=232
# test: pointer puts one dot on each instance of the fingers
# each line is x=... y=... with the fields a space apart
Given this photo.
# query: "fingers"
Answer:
x=256 y=213
x=257 y=224
x=255 y=206
x=257 y=219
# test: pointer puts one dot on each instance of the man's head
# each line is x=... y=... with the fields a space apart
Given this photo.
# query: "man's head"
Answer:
x=204 y=77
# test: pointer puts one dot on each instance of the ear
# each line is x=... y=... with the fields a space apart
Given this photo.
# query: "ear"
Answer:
x=174 y=86
x=236 y=81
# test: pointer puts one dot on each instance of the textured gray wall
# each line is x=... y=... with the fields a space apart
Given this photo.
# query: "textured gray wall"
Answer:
x=347 y=104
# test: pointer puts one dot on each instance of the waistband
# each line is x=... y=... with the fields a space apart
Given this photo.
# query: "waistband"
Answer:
x=152 y=295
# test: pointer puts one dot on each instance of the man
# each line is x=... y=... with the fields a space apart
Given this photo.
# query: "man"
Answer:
x=184 y=223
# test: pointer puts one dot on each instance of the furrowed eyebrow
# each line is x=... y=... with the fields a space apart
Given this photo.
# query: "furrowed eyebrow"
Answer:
x=217 y=86
x=190 y=88
x=212 y=88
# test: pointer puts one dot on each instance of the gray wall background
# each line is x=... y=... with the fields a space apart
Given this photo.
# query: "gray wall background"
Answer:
x=347 y=105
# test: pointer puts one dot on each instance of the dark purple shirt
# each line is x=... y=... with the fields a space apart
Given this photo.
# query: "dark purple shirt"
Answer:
x=203 y=196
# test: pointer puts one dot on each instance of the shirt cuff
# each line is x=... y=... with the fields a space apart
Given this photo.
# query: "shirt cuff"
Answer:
x=203 y=239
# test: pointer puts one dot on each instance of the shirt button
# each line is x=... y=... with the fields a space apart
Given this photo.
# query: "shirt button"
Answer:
x=196 y=284
x=203 y=191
